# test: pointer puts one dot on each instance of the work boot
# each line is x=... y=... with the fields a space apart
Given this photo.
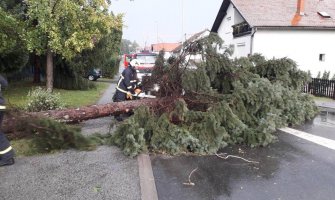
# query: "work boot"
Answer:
x=10 y=161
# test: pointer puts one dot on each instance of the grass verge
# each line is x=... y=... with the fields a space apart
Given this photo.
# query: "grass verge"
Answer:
x=16 y=94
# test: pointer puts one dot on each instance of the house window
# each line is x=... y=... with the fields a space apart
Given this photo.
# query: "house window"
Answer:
x=228 y=18
x=322 y=57
x=241 y=29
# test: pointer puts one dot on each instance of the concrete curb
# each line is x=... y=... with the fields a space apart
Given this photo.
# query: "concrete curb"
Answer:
x=147 y=180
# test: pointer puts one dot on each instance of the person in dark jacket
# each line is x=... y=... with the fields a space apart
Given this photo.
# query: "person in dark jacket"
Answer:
x=6 y=151
x=127 y=83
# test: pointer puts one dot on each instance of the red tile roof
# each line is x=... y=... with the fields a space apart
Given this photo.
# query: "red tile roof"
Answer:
x=168 y=47
x=280 y=13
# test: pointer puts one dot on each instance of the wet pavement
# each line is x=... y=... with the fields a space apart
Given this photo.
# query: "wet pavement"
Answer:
x=292 y=168
x=323 y=125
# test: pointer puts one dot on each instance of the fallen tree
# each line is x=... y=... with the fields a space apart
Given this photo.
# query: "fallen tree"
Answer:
x=220 y=102
x=16 y=121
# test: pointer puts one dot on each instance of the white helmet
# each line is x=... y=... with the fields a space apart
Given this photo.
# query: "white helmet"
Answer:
x=135 y=63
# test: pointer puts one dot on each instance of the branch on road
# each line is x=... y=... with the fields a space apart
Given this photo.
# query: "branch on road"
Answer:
x=190 y=183
x=225 y=157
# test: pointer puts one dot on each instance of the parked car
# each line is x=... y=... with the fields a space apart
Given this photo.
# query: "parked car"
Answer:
x=93 y=74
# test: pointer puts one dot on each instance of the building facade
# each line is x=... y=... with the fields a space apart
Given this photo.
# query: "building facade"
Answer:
x=301 y=30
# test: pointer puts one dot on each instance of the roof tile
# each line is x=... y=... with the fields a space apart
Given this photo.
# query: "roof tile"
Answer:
x=282 y=12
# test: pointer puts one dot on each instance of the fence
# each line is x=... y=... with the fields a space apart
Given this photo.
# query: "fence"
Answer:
x=321 y=88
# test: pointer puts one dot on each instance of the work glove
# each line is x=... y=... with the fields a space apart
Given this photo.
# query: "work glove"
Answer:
x=129 y=96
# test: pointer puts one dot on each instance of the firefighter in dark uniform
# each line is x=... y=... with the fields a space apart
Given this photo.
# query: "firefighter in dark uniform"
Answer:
x=127 y=83
x=6 y=151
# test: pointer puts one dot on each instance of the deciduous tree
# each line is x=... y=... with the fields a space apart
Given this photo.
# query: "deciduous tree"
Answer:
x=66 y=27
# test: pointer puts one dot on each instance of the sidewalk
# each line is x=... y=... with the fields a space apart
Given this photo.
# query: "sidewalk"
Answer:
x=328 y=106
x=101 y=174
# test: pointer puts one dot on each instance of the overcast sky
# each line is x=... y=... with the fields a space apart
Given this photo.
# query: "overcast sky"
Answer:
x=149 y=21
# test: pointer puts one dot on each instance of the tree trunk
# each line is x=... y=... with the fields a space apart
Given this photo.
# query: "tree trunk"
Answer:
x=12 y=123
x=49 y=71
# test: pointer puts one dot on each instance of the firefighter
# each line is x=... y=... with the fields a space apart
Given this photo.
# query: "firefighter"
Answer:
x=127 y=83
x=126 y=86
x=6 y=151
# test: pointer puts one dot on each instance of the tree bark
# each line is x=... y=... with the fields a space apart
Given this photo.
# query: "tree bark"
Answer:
x=49 y=71
x=75 y=115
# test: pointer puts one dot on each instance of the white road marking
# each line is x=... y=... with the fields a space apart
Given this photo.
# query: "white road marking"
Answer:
x=312 y=138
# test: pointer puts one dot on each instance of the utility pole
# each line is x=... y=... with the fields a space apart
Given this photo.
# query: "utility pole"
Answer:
x=157 y=31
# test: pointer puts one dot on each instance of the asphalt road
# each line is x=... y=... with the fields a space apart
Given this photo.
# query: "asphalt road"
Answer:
x=290 y=169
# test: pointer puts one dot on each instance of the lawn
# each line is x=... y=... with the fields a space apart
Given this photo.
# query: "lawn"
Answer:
x=16 y=94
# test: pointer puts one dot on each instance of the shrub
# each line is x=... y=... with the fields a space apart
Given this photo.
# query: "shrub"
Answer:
x=112 y=68
x=40 y=99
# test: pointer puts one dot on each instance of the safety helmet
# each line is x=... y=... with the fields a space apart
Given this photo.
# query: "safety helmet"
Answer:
x=135 y=63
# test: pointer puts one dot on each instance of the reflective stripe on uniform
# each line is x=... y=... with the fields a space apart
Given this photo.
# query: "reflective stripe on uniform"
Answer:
x=2 y=107
x=6 y=150
x=121 y=78
x=122 y=90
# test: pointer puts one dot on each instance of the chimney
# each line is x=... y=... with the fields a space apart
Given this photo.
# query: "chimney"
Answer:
x=301 y=7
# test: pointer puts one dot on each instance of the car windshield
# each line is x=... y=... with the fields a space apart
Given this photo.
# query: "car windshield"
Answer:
x=146 y=59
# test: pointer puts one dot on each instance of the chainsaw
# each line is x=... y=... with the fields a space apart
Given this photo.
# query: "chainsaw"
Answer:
x=139 y=94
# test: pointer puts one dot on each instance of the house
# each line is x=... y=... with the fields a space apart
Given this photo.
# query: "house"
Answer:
x=303 y=30
x=193 y=38
x=167 y=47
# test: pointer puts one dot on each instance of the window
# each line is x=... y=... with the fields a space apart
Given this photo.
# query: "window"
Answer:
x=241 y=29
x=322 y=57
x=228 y=18
x=146 y=59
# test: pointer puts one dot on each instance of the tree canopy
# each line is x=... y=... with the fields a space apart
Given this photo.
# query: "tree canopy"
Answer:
x=13 y=55
x=128 y=47
x=66 y=27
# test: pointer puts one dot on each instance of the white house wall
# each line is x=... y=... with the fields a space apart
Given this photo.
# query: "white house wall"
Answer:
x=241 y=44
x=303 y=46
